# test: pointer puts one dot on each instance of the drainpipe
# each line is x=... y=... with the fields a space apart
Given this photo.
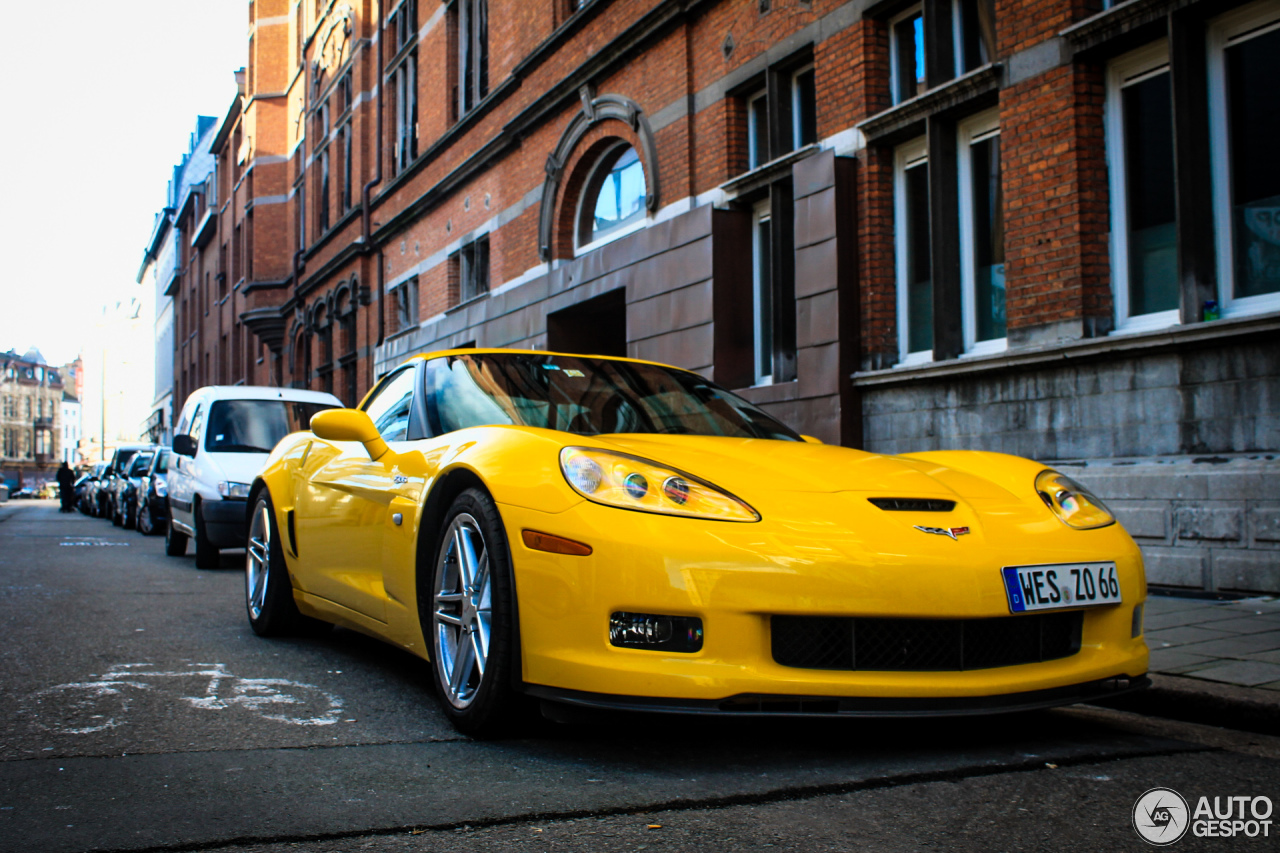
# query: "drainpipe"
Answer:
x=365 y=214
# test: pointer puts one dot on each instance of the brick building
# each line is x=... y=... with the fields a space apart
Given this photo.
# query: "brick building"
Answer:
x=160 y=273
x=1048 y=228
x=31 y=398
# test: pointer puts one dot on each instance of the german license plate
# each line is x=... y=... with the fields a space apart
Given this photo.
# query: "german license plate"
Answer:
x=1060 y=585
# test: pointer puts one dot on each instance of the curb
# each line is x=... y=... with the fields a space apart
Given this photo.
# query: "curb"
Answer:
x=1209 y=703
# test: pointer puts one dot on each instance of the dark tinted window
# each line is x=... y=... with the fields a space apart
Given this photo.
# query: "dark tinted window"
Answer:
x=255 y=426
x=587 y=396
x=123 y=457
x=139 y=465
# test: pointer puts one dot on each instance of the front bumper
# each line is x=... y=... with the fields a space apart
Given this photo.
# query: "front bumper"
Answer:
x=808 y=557
x=224 y=522
x=781 y=705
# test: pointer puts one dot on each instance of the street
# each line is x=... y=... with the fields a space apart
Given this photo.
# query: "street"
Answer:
x=142 y=713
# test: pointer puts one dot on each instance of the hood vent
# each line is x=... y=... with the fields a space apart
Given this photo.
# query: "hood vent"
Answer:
x=913 y=504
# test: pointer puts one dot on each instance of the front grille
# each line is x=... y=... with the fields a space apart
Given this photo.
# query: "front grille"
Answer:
x=923 y=645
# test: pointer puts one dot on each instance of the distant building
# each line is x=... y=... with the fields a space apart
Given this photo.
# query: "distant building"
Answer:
x=31 y=395
x=70 y=429
x=159 y=273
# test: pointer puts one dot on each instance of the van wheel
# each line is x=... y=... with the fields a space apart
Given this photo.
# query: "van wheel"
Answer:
x=207 y=554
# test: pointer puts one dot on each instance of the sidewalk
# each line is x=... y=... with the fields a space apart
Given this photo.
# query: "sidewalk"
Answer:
x=1212 y=662
x=1231 y=642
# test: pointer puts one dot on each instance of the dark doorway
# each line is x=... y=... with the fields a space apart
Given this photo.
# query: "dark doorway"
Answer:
x=597 y=326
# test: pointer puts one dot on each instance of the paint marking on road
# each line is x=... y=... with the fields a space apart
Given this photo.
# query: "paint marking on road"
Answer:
x=90 y=542
x=84 y=707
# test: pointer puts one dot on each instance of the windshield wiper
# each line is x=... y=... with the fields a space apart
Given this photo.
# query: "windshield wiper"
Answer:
x=239 y=448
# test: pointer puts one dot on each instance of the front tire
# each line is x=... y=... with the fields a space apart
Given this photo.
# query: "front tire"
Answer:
x=471 y=624
x=207 y=554
x=268 y=590
x=145 y=525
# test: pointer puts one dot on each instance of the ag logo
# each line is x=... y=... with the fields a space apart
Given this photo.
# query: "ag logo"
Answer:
x=1161 y=817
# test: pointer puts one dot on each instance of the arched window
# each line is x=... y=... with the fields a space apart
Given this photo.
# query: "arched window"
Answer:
x=613 y=197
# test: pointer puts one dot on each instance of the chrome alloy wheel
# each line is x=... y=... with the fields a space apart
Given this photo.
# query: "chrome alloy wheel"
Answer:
x=258 y=560
x=462 y=611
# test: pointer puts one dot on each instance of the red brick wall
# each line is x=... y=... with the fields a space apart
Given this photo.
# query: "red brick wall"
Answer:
x=1056 y=203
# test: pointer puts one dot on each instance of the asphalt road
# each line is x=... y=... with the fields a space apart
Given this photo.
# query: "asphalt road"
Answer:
x=141 y=713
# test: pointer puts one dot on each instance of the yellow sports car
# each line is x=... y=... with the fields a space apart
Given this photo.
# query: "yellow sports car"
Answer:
x=617 y=533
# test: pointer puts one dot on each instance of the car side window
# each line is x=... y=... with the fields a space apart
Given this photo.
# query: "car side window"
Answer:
x=389 y=408
x=197 y=425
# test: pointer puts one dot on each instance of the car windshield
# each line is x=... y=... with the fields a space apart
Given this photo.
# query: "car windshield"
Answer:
x=139 y=465
x=122 y=459
x=254 y=426
x=587 y=396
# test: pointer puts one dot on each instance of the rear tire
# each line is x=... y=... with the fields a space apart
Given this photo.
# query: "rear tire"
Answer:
x=175 y=541
x=470 y=623
x=268 y=590
x=207 y=554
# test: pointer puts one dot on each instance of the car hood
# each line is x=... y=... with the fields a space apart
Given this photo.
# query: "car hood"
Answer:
x=235 y=467
x=744 y=466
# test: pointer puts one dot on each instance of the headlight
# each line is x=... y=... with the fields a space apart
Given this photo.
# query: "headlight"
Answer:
x=162 y=488
x=1073 y=504
x=233 y=490
x=621 y=480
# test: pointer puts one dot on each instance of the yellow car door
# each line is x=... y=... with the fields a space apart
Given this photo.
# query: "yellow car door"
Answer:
x=344 y=505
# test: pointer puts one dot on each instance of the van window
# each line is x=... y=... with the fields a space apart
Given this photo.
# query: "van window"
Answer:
x=255 y=426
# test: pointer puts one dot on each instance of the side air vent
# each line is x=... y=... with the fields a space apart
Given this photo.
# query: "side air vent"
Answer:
x=913 y=504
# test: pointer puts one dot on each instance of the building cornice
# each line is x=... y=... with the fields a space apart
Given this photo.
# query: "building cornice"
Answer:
x=1232 y=330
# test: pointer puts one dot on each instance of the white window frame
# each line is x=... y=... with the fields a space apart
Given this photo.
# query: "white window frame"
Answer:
x=622 y=231
x=1230 y=29
x=976 y=129
x=894 y=71
x=795 y=104
x=761 y=289
x=908 y=154
x=1133 y=67
x=755 y=157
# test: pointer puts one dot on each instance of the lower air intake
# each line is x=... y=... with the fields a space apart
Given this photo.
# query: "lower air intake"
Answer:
x=923 y=645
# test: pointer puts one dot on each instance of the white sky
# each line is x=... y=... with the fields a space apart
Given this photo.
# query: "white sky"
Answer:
x=102 y=100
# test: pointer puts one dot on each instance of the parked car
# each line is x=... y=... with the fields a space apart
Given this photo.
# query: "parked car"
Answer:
x=152 y=508
x=620 y=534
x=126 y=489
x=89 y=490
x=25 y=493
x=222 y=439
x=109 y=483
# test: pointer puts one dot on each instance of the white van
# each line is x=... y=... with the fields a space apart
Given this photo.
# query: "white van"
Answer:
x=220 y=443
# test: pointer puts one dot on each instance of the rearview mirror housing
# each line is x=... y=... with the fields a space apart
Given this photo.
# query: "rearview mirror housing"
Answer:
x=349 y=425
x=184 y=445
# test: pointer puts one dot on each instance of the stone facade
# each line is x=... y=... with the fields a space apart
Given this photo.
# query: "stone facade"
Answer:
x=1207 y=522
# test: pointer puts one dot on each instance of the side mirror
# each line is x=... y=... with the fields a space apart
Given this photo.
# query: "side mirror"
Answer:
x=184 y=445
x=349 y=425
